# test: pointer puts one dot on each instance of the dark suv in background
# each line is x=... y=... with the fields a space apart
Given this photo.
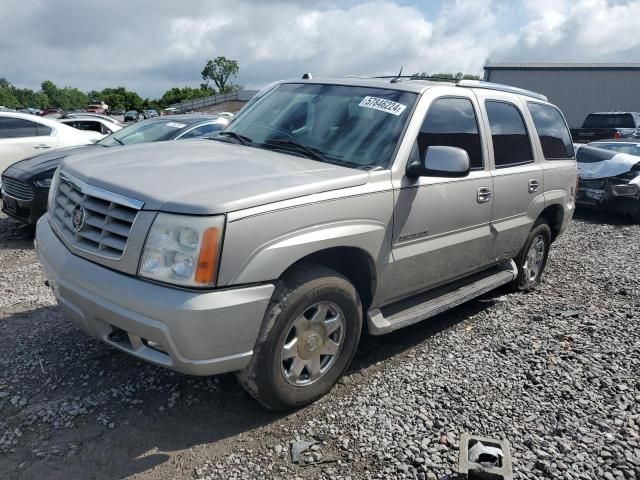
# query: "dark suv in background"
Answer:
x=607 y=125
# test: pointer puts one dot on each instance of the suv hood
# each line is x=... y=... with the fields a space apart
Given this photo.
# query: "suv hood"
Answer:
x=205 y=177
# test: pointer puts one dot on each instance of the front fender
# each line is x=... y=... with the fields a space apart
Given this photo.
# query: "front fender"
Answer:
x=270 y=260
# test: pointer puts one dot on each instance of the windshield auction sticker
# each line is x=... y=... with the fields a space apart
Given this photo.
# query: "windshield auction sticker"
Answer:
x=383 y=105
x=176 y=125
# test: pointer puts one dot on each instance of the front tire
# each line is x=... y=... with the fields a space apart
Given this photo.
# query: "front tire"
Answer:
x=532 y=259
x=309 y=336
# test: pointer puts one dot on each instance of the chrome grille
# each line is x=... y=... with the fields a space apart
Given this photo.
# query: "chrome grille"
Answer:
x=107 y=218
x=17 y=189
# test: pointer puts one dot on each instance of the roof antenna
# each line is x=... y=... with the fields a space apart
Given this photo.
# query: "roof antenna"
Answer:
x=307 y=76
x=397 y=79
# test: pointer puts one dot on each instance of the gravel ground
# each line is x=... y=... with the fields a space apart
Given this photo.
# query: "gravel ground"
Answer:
x=556 y=372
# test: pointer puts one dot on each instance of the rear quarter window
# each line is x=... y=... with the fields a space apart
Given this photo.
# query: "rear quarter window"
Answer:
x=43 y=130
x=552 y=131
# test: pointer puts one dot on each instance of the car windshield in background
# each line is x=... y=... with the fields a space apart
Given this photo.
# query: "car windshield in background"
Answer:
x=155 y=131
x=630 y=148
x=609 y=120
x=354 y=126
x=590 y=154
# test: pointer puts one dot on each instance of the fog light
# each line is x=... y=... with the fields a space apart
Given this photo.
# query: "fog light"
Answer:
x=624 y=190
x=154 y=346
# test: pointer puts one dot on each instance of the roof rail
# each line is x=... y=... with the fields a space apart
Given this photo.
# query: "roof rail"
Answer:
x=433 y=78
x=500 y=87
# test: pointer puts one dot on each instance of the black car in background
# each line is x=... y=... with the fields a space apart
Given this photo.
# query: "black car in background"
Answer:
x=25 y=184
x=132 y=116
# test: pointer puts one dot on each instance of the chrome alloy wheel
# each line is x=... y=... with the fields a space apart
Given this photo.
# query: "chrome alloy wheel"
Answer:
x=312 y=344
x=534 y=259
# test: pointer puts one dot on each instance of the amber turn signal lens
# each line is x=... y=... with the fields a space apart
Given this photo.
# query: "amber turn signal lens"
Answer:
x=208 y=259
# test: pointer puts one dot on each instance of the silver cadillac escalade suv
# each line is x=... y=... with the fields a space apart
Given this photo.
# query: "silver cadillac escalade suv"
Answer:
x=327 y=207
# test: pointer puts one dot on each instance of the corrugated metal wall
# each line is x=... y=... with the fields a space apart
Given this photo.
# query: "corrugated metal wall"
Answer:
x=578 y=92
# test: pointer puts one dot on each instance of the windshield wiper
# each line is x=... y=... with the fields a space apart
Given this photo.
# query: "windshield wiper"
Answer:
x=311 y=152
x=236 y=136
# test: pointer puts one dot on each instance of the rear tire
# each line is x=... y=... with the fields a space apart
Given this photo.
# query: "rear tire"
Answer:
x=309 y=335
x=532 y=259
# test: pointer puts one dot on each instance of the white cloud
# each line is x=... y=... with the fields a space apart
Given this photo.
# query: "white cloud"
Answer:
x=151 y=45
x=579 y=31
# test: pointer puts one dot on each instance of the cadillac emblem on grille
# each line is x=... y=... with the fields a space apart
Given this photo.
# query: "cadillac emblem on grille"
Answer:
x=78 y=217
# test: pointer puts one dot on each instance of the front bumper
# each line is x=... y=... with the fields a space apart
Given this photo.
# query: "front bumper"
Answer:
x=28 y=211
x=194 y=332
x=609 y=194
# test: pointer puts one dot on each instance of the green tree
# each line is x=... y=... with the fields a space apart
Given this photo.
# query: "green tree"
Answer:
x=7 y=98
x=220 y=71
x=66 y=98
x=28 y=98
x=118 y=98
x=177 y=95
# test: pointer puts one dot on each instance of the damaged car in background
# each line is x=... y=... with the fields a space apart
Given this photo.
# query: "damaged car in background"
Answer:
x=609 y=180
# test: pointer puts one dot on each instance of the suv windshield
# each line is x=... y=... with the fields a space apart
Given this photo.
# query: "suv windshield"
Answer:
x=609 y=120
x=353 y=125
x=155 y=131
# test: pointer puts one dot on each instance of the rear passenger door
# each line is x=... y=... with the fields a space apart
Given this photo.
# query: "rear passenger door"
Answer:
x=559 y=165
x=442 y=225
x=517 y=177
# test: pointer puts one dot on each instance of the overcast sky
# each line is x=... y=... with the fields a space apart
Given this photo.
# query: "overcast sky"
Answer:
x=152 y=45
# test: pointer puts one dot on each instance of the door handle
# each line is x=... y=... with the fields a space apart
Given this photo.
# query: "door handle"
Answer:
x=484 y=194
x=534 y=185
x=41 y=146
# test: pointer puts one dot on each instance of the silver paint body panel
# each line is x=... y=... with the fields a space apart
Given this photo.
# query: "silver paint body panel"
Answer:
x=418 y=234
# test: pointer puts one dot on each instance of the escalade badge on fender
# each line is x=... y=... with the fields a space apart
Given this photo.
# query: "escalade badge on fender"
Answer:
x=78 y=217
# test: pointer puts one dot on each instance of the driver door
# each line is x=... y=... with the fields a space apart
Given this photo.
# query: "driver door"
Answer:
x=442 y=225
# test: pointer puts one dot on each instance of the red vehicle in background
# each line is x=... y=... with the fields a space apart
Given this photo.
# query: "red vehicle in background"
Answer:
x=98 y=107
x=51 y=111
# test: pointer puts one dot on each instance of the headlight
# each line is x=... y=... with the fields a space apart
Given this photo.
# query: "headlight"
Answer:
x=53 y=186
x=183 y=250
x=43 y=183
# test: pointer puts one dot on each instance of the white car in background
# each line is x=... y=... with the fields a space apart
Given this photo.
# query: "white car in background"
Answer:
x=23 y=135
x=92 y=124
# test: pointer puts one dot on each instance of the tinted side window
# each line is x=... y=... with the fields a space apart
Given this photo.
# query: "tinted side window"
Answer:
x=17 y=128
x=86 y=125
x=511 y=143
x=43 y=130
x=452 y=122
x=552 y=131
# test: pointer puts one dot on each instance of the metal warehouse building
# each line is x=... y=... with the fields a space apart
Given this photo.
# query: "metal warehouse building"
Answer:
x=577 y=88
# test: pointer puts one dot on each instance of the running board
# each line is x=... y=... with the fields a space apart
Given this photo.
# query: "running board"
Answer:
x=425 y=305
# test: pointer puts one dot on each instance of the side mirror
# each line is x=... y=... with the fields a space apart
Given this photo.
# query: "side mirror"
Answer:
x=441 y=161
